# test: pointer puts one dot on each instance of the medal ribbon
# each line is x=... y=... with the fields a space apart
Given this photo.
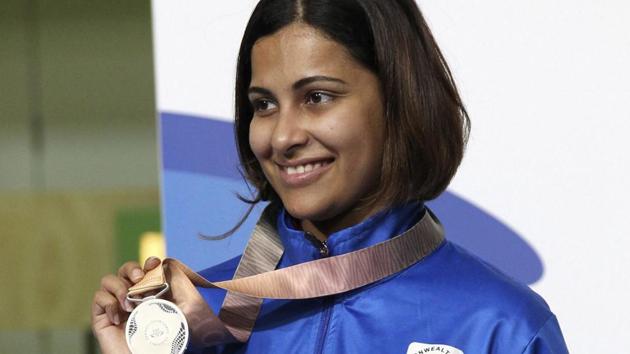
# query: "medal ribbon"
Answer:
x=255 y=277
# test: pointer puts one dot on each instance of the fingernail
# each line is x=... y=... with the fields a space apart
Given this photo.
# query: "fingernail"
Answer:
x=137 y=274
x=116 y=319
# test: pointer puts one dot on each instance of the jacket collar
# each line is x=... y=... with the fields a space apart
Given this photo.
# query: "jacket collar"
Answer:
x=299 y=247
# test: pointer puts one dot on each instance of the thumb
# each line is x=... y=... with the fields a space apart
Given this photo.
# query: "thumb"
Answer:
x=182 y=288
x=206 y=329
x=151 y=263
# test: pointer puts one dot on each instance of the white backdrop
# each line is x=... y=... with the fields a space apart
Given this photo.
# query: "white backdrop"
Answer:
x=546 y=85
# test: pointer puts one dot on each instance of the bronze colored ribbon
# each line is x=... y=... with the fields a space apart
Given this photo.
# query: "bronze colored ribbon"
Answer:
x=255 y=277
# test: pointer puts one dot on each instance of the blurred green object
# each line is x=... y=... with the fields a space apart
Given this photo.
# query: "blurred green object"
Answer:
x=130 y=225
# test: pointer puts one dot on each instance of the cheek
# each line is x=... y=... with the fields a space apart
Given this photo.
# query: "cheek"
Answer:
x=365 y=145
x=259 y=139
x=359 y=132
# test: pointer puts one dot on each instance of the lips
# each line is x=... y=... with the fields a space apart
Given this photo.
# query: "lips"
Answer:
x=304 y=172
x=291 y=170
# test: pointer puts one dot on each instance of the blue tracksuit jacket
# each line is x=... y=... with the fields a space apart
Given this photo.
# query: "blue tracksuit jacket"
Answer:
x=450 y=302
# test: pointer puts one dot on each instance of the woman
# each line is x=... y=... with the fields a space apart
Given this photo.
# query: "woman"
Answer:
x=347 y=120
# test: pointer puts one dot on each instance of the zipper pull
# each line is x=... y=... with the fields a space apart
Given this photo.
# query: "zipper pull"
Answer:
x=323 y=249
x=322 y=246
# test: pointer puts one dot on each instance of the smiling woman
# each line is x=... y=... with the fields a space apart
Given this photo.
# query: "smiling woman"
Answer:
x=347 y=121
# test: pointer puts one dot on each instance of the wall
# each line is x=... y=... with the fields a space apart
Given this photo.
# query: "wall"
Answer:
x=77 y=95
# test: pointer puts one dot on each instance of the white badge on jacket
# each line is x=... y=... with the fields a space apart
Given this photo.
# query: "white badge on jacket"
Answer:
x=424 y=348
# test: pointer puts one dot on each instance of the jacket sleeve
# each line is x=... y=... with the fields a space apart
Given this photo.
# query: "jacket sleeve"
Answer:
x=548 y=339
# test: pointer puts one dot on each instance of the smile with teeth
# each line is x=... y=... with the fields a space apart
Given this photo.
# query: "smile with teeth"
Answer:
x=292 y=170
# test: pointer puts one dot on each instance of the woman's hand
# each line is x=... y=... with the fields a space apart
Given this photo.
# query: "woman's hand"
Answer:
x=110 y=307
x=205 y=327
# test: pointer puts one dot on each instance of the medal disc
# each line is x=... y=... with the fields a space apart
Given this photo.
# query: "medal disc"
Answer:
x=157 y=326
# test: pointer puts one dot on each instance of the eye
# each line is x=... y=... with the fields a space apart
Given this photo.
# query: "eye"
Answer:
x=263 y=105
x=319 y=97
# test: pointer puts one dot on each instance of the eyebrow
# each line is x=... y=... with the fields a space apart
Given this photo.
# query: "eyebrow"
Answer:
x=298 y=84
x=307 y=80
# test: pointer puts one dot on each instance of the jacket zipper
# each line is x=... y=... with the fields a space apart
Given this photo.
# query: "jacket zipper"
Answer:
x=323 y=328
x=328 y=302
x=322 y=246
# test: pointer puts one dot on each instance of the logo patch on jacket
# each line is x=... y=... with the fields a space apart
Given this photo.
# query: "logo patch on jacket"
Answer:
x=424 y=348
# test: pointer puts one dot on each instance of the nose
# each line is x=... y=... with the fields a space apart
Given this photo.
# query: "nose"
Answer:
x=289 y=134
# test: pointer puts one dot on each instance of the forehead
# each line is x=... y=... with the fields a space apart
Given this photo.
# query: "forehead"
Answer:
x=297 y=51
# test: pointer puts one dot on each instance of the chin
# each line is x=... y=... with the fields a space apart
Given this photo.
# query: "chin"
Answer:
x=308 y=210
x=304 y=213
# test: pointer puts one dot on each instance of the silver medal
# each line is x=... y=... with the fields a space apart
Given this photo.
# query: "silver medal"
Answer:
x=156 y=326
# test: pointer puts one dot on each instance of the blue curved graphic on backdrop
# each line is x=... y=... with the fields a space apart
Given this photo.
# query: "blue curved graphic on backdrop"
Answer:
x=200 y=172
x=487 y=237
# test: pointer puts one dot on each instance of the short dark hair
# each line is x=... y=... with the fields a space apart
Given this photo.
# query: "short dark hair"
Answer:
x=426 y=123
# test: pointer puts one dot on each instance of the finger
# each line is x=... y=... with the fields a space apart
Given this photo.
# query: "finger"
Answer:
x=118 y=287
x=151 y=263
x=105 y=303
x=131 y=271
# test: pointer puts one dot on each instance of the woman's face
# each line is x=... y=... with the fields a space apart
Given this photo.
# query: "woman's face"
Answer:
x=317 y=129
